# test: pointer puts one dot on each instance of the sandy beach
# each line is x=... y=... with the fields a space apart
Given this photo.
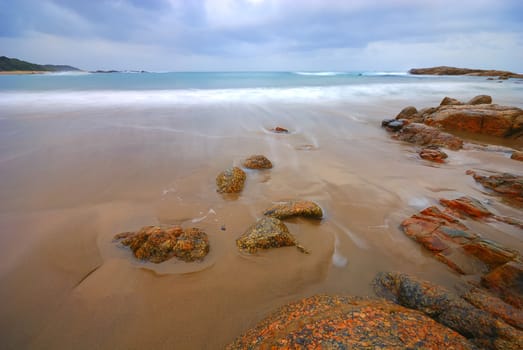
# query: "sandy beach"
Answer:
x=72 y=180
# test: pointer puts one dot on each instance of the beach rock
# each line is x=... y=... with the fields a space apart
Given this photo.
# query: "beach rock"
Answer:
x=505 y=184
x=393 y=124
x=466 y=205
x=231 y=180
x=343 y=322
x=407 y=113
x=517 y=155
x=480 y=100
x=257 y=162
x=449 y=309
x=507 y=282
x=289 y=209
x=491 y=253
x=488 y=119
x=280 y=130
x=445 y=70
x=433 y=155
x=448 y=101
x=495 y=306
x=424 y=135
x=157 y=244
x=267 y=233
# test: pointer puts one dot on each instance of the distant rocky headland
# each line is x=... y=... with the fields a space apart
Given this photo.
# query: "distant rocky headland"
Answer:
x=14 y=66
x=444 y=70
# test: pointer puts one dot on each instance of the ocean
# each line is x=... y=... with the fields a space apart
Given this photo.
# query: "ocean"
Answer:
x=246 y=87
x=86 y=156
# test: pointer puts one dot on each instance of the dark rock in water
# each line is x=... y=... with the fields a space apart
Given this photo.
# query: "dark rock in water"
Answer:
x=407 y=113
x=231 y=180
x=157 y=244
x=280 y=130
x=257 y=162
x=507 y=281
x=480 y=100
x=393 y=124
x=495 y=306
x=339 y=322
x=288 y=209
x=267 y=233
x=433 y=155
x=517 y=155
x=447 y=101
x=425 y=135
x=449 y=309
x=504 y=184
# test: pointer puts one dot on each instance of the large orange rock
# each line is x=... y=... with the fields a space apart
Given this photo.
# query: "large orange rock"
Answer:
x=505 y=184
x=343 y=322
x=488 y=119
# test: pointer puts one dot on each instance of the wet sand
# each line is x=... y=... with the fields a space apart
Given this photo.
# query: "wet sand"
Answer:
x=70 y=181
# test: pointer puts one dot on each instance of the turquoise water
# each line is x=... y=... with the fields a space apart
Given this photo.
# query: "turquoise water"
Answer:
x=101 y=89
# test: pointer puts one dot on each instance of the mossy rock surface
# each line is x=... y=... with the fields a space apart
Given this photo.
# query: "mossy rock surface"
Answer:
x=267 y=233
x=158 y=244
x=231 y=180
x=287 y=209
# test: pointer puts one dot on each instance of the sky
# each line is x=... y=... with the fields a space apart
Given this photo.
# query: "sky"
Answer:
x=264 y=35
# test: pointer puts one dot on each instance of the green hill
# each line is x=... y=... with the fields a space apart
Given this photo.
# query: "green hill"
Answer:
x=12 y=64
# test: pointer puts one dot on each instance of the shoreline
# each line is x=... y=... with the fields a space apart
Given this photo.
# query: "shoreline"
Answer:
x=23 y=72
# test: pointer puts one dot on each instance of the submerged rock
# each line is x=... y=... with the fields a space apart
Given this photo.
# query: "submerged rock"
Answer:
x=504 y=184
x=452 y=242
x=481 y=327
x=340 y=322
x=231 y=180
x=433 y=155
x=424 y=135
x=467 y=205
x=288 y=209
x=507 y=282
x=267 y=233
x=157 y=244
x=257 y=162
x=280 y=130
x=517 y=155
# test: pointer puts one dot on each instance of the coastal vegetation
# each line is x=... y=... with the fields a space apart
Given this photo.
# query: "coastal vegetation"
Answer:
x=13 y=64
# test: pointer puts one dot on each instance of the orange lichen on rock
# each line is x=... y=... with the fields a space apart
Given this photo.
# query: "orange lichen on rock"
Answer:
x=339 y=322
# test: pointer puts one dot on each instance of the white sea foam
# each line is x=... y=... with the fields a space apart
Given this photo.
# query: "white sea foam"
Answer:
x=353 y=93
x=320 y=74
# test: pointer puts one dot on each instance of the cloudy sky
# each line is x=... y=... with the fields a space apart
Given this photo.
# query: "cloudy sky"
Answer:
x=227 y=35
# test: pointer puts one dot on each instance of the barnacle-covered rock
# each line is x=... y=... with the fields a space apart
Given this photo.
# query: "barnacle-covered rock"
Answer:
x=157 y=244
x=230 y=180
x=343 y=322
x=283 y=210
x=267 y=233
x=449 y=309
x=257 y=161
